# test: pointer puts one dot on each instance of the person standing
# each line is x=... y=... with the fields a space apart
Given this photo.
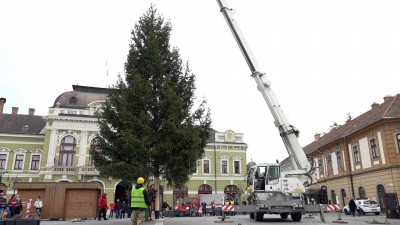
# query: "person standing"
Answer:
x=192 y=210
x=204 y=208
x=18 y=205
x=213 y=208
x=232 y=202
x=124 y=209
x=352 y=206
x=102 y=206
x=39 y=205
x=12 y=203
x=112 y=209
x=3 y=203
x=118 y=209
x=139 y=202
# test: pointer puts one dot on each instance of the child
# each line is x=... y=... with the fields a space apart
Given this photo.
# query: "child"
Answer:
x=112 y=209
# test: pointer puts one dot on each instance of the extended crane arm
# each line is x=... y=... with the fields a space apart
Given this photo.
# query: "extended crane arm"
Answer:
x=288 y=132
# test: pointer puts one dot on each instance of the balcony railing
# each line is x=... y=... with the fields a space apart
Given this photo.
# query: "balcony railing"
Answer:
x=75 y=170
x=65 y=170
x=88 y=170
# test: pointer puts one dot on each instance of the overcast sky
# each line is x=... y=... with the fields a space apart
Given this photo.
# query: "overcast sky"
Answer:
x=324 y=58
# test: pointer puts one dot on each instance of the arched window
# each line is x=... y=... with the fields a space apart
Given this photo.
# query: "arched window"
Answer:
x=205 y=189
x=343 y=192
x=67 y=151
x=333 y=195
x=361 y=192
x=381 y=197
x=93 y=147
x=232 y=191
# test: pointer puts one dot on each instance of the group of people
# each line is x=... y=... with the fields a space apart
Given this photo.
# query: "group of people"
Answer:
x=202 y=211
x=120 y=209
x=140 y=201
x=14 y=206
x=231 y=201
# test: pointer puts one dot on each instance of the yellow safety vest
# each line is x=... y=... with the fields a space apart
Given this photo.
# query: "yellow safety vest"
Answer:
x=137 y=200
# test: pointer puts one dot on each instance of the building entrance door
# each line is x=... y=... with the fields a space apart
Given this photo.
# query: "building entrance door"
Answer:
x=381 y=197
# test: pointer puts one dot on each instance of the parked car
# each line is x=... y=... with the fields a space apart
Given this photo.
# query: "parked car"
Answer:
x=364 y=206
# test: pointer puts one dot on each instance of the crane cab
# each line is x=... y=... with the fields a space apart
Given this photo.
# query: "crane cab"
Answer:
x=263 y=175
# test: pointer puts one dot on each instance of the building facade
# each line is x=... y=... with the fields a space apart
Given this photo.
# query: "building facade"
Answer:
x=56 y=148
x=21 y=147
x=360 y=158
x=222 y=170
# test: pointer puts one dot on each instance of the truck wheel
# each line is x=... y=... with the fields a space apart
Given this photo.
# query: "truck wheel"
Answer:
x=259 y=217
x=284 y=215
x=296 y=217
x=251 y=215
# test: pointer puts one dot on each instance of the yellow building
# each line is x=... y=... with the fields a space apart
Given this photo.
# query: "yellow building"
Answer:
x=360 y=158
x=56 y=148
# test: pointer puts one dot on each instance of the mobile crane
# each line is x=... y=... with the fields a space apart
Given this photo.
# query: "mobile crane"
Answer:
x=273 y=191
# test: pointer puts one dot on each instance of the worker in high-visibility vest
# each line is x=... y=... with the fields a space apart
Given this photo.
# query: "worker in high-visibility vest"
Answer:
x=232 y=202
x=226 y=203
x=139 y=202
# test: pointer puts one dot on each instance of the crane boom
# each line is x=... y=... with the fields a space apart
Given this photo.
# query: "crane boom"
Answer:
x=288 y=132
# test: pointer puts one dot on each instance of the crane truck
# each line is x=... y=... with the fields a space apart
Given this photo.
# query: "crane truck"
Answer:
x=273 y=191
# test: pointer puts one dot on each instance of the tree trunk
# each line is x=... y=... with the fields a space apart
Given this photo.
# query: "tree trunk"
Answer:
x=157 y=187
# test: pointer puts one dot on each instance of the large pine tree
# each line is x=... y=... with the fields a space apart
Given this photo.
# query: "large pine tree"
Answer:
x=150 y=124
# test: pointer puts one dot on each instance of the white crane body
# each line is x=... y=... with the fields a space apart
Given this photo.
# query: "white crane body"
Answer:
x=273 y=191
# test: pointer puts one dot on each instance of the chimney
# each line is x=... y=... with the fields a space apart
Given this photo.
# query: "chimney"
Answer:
x=374 y=105
x=2 y=102
x=31 y=111
x=14 y=110
x=317 y=136
x=386 y=98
